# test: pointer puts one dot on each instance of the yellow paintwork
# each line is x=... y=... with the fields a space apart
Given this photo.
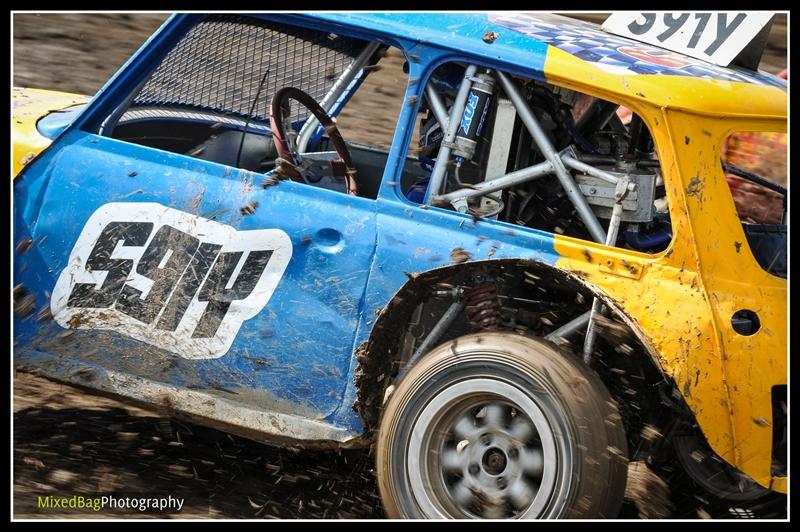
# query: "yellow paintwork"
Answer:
x=729 y=99
x=681 y=301
x=29 y=105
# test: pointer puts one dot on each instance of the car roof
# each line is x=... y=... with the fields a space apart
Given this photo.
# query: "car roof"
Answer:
x=579 y=52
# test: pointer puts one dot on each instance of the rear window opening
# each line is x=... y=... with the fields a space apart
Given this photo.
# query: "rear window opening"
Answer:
x=754 y=163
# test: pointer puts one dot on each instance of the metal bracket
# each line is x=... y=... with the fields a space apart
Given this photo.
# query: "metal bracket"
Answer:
x=460 y=204
x=620 y=192
x=444 y=323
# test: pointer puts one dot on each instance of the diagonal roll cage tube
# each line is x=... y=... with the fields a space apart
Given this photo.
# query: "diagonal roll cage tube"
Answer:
x=547 y=149
x=581 y=166
x=487 y=187
x=437 y=106
x=444 y=323
x=335 y=92
x=443 y=158
x=571 y=327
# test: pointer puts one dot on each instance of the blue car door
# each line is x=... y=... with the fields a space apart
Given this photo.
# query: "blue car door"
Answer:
x=152 y=267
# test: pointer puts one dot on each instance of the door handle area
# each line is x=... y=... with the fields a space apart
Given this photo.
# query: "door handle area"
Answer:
x=328 y=240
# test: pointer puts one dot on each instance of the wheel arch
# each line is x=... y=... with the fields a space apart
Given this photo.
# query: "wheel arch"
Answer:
x=376 y=355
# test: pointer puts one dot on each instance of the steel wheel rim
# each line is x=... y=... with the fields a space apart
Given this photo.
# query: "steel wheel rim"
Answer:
x=505 y=465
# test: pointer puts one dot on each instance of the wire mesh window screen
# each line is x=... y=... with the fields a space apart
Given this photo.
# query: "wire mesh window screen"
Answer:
x=219 y=64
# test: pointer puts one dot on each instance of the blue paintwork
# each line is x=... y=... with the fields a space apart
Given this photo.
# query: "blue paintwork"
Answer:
x=296 y=347
x=453 y=35
x=51 y=125
x=297 y=355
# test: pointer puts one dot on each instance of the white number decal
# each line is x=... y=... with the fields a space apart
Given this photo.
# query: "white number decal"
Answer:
x=174 y=280
x=714 y=37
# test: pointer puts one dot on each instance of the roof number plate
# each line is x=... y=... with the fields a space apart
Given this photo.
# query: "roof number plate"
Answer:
x=714 y=37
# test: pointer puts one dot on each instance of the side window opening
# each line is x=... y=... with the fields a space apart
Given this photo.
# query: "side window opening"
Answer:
x=209 y=98
x=496 y=167
x=370 y=116
x=754 y=163
x=368 y=120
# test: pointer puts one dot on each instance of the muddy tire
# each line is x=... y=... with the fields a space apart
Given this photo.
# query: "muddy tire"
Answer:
x=498 y=425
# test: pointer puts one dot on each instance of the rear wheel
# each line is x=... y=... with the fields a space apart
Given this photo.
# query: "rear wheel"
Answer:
x=497 y=425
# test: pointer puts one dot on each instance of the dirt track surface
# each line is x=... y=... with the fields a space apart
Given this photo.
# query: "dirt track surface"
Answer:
x=67 y=442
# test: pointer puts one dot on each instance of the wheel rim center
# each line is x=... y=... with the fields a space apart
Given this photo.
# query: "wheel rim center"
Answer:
x=494 y=461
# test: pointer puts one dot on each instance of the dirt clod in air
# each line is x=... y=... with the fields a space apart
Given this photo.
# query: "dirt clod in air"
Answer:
x=24 y=301
x=459 y=255
x=648 y=492
x=250 y=208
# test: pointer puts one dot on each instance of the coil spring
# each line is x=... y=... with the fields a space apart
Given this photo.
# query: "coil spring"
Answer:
x=483 y=307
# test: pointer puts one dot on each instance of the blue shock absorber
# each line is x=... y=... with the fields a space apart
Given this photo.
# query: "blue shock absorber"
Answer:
x=477 y=108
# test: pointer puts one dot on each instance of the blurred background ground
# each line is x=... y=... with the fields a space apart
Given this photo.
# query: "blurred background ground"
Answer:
x=67 y=442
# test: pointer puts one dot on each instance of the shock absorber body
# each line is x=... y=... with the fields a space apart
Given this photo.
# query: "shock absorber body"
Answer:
x=479 y=102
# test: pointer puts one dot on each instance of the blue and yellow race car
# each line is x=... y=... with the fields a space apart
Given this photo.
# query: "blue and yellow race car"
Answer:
x=543 y=279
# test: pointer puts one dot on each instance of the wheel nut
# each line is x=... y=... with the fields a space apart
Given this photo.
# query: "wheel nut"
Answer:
x=474 y=468
x=486 y=439
x=501 y=483
x=513 y=452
